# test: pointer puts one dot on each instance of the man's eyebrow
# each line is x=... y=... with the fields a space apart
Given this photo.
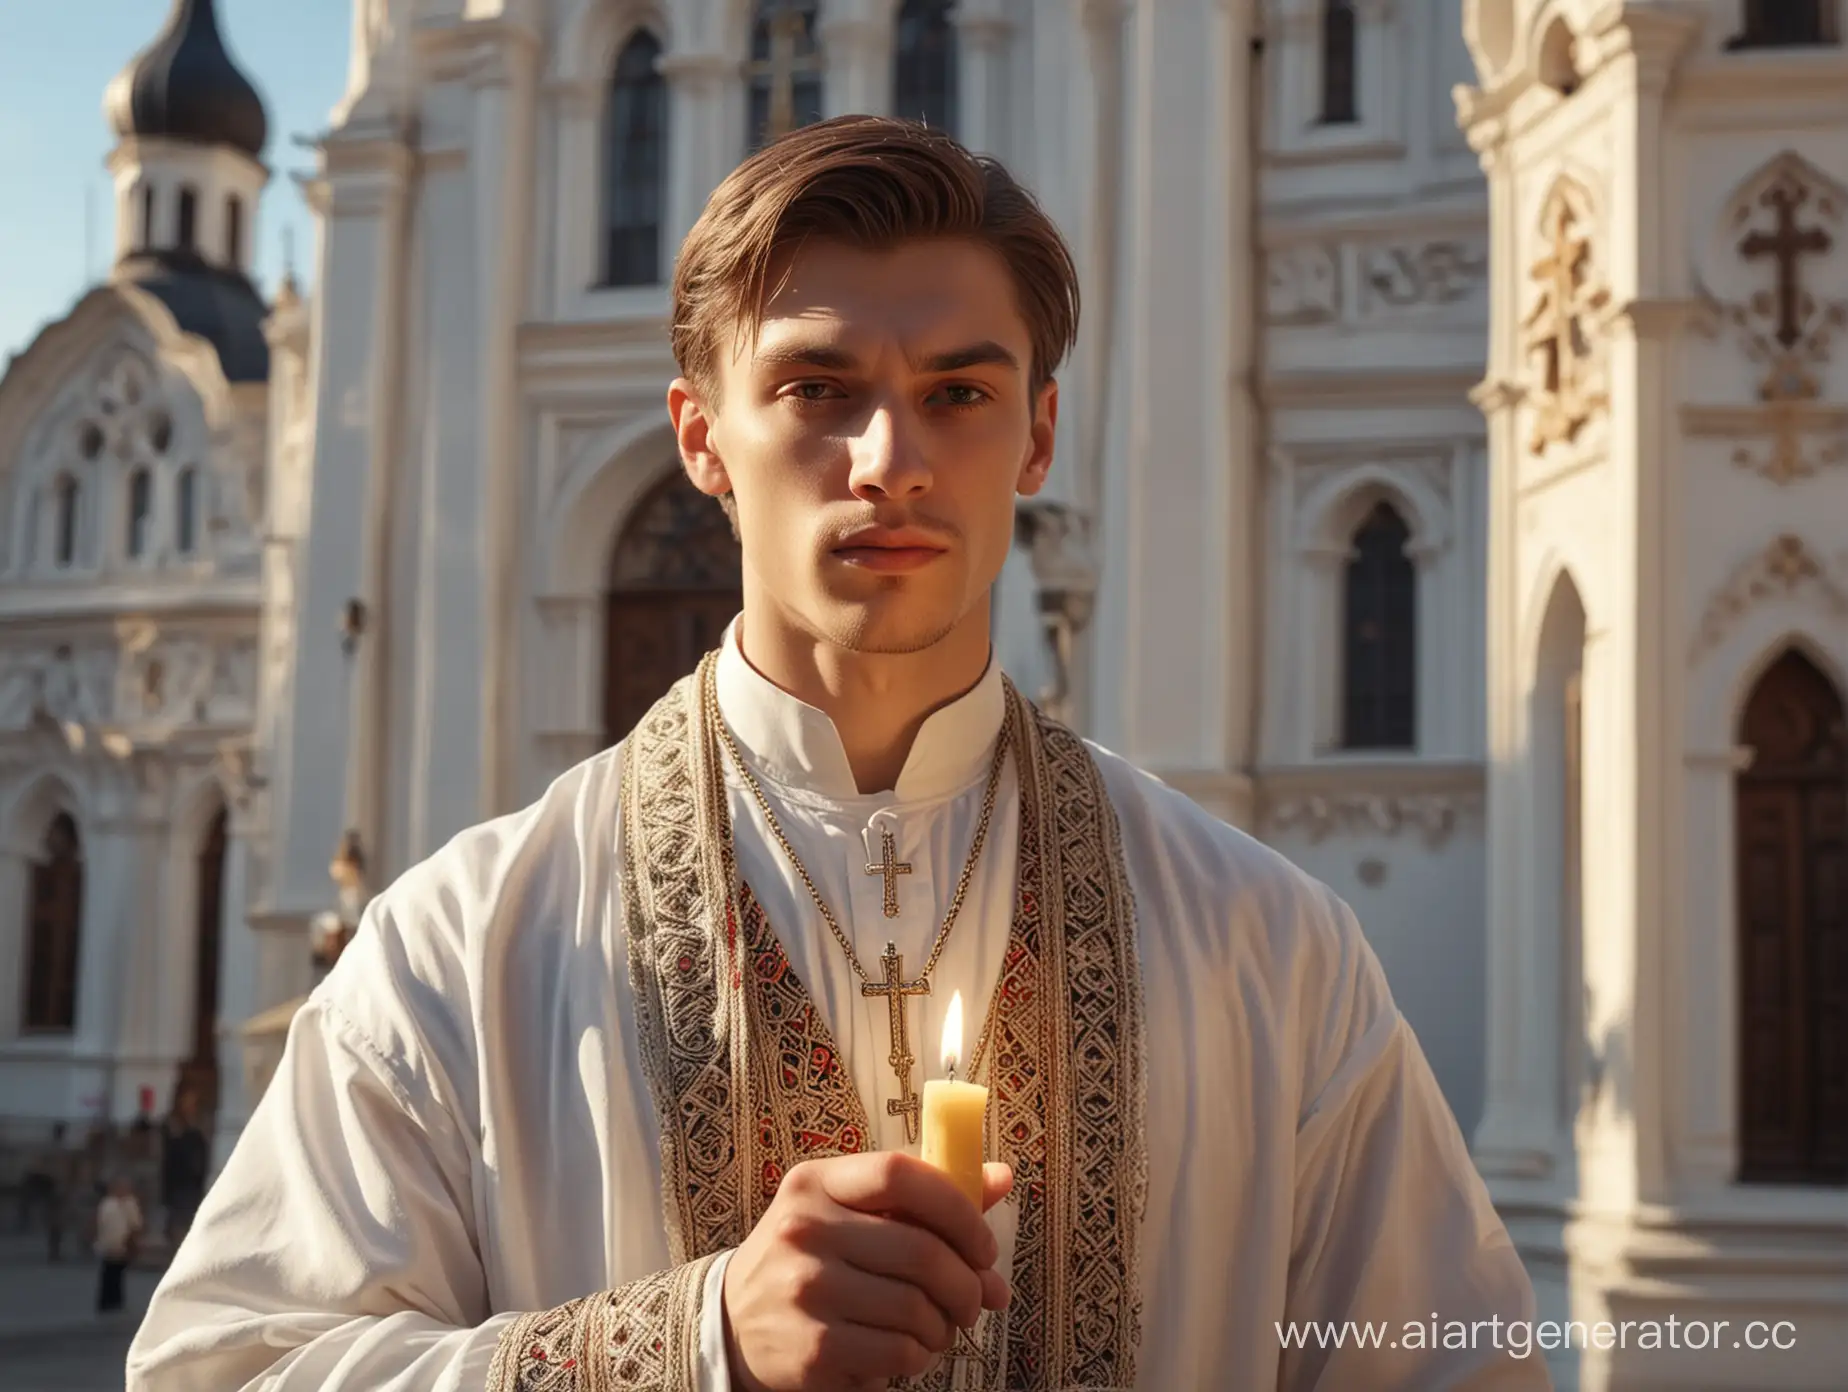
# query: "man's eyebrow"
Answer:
x=805 y=355
x=987 y=353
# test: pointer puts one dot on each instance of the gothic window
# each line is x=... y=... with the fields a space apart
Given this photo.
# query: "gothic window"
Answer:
x=140 y=511
x=1340 y=36
x=234 y=231
x=785 y=70
x=54 y=919
x=924 y=73
x=1791 y=806
x=1380 y=668
x=1786 y=24
x=185 y=510
x=69 y=499
x=635 y=165
x=675 y=581
x=187 y=237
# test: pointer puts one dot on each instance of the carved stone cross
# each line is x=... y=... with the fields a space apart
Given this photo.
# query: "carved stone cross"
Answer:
x=895 y=988
x=1554 y=329
x=1784 y=245
x=791 y=57
x=891 y=867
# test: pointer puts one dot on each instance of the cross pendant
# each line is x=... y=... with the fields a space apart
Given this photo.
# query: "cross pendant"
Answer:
x=895 y=988
x=891 y=867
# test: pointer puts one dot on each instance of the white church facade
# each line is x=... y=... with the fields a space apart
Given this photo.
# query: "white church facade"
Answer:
x=1452 y=487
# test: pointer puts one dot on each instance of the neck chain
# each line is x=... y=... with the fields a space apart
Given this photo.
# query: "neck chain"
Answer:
x=892 y=986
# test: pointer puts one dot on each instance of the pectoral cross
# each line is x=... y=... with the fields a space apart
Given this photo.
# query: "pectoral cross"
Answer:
x=895 y=988
x=891 y=867
x=1784 y=245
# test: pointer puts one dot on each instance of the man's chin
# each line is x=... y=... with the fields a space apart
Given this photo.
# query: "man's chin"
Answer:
x=884 y=630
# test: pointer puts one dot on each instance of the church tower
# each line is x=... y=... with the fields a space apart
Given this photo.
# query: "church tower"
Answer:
x=188 y=169
x=1666 y=1120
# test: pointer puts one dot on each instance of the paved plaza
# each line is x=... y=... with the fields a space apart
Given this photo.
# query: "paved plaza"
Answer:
x=51 y=1339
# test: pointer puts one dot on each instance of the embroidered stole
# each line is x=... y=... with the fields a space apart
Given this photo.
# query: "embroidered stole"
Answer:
x=747 y=1081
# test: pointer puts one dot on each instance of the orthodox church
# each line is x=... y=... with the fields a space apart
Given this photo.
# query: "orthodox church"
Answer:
x=1450 y=493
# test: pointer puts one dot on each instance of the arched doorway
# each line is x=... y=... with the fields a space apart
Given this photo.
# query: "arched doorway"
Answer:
x=199 y=1071
x=1793 y=929
x=54 y=926
x=675 y=581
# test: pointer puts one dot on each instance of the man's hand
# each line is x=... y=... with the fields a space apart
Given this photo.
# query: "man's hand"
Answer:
x=860 y=1271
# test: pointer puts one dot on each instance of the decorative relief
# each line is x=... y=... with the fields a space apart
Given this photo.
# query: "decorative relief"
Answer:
x=139 y=680
x=1302 y=285
x=1780 y=570
x=1784 y=221
x=1559 y=335
x=1435 y=816
x=1421 y=275
x=1320 y=283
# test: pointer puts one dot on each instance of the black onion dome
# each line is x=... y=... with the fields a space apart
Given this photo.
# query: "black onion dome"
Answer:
x=185 y=86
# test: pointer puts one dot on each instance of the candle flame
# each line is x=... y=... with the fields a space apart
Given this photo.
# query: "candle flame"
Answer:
x=952 y=1034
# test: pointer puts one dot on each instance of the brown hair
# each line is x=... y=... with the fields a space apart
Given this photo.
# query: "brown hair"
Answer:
x=873 y=182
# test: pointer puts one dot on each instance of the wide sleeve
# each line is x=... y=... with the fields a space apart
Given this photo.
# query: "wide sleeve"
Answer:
x=1402 y=1276
x=340 y=1249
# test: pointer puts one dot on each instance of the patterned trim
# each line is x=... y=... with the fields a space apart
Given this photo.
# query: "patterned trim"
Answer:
x=643 y=1335
x=747 y=1081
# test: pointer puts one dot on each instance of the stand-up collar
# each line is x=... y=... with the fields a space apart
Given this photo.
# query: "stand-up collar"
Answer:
x=792 y=742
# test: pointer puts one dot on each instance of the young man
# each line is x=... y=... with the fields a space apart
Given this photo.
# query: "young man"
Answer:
x=614 y=1092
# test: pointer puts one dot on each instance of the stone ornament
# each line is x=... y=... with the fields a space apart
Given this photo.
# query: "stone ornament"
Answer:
x=1560 y=336
x=1780 y=570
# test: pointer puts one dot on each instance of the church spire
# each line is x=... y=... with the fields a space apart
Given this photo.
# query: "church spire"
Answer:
x=185 y=86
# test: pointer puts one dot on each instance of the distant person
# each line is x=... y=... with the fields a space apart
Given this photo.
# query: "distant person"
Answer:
x=118 y=1233
x=185 y=1156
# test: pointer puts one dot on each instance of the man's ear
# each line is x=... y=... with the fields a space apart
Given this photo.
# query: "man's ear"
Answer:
x=1038 y=463
x=693 y=421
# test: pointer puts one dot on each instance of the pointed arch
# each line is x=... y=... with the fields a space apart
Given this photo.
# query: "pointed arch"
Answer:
x=1379 y=626
x=1791 y=806
x=1555 y=742
x=54 y=928
x=924 y=64
x=635 y=164
x=675 y=581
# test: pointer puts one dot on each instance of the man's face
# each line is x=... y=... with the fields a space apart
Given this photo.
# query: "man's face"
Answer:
x=874 y=438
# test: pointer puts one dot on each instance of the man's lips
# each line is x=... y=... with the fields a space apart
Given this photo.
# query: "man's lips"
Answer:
x=889 y=559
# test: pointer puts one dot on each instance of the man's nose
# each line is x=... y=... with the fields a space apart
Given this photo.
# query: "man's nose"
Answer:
x=888 y=456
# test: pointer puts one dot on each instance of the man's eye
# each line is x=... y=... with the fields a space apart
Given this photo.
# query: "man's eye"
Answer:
x=812 y=391
x=963 y=395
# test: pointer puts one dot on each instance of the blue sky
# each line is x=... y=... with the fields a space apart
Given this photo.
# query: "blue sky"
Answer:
x=57 y=56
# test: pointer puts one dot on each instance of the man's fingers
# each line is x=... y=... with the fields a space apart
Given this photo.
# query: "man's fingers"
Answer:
x=997 y=1184
x=903 y=1187
x=881 y=1302
x=875 y=1355
x=892 y=1247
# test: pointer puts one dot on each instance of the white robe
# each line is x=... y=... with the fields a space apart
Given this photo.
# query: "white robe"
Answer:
x=461 y=1129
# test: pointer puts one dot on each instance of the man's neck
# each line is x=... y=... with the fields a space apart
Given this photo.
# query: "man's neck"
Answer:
x=877 y=701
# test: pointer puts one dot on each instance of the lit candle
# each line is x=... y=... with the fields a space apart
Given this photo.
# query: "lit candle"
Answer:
x=953 y=1115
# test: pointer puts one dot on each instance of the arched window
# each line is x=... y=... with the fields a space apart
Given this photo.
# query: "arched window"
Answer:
x=635 y=165
x=54 y=921
x=1791 y=811
x=70 y=499
x=185 y=510
x=187 y=237
x=924 y=64
x=234 y=231
x=1786 y=24
x=144 y=232
x=1380 y=623
x=784 y=71
x=1340 y=36
x=140 y=511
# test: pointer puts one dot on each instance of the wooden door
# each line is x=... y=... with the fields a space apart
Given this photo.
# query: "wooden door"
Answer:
x=1792 y=826
x=54 y=926
x=676 y=580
